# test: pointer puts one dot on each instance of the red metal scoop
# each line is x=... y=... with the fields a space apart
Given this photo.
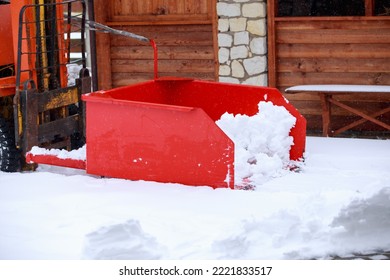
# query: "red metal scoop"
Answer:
x=164 y=130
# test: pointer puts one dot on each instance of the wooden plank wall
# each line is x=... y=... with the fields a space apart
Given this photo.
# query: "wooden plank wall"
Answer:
x=184 y=31
x=333 y=51
x=183 y=51
x=147 y=10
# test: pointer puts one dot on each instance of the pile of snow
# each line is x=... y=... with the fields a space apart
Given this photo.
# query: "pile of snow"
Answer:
x=125 y=241
x=262 y=143
x=78 y=154
x=365 y=221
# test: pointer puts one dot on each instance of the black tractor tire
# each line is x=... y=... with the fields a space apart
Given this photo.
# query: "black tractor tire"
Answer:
x=10 y=156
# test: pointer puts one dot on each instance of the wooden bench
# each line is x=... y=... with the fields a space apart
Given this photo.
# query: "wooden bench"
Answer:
x=326 y=93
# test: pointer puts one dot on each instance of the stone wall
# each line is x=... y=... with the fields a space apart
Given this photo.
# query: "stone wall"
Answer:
x=242 y=41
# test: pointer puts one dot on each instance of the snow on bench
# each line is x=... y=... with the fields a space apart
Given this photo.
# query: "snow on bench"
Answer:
x=326 y=93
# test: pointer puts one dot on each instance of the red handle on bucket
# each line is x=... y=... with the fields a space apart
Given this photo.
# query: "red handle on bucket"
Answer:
x=155 y=54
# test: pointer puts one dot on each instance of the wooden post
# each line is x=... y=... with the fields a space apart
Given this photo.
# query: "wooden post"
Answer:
x=369 y=6
x=103 y=46
x=271 y=13
x=214 y=18
x=326 y=113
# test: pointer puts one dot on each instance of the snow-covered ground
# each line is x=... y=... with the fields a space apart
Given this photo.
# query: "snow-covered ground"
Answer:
x=338 y=204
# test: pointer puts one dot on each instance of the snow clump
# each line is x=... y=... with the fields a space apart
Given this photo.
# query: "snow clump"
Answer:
x=262 y=143
x=123 y=241
x=365 y=222
x=78 y=154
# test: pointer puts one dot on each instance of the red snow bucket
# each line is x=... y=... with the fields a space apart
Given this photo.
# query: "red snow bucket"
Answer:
x=164 y=130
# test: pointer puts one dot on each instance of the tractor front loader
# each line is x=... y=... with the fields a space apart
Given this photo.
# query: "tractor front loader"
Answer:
x=37 y=106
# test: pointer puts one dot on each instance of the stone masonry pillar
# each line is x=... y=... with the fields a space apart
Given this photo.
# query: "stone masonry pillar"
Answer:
x=242 y=41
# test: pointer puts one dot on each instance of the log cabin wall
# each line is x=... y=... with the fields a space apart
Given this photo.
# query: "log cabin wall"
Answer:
x=330 y=50
x=184 y=31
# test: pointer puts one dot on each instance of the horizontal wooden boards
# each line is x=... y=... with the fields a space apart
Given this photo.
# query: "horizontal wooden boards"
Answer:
x=333 y=36
x=161 y=10
x=291 y=79
x=333 y=51
x=342 y=50
x=319 y=23
x=168 y=35
x=149 y=7
x=183 y=51
x=167 y=65
x=123 y=79
x=334 y=65
x=164 y=52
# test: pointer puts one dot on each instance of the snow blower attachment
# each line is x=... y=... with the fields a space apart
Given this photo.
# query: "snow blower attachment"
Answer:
x=164 y=130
